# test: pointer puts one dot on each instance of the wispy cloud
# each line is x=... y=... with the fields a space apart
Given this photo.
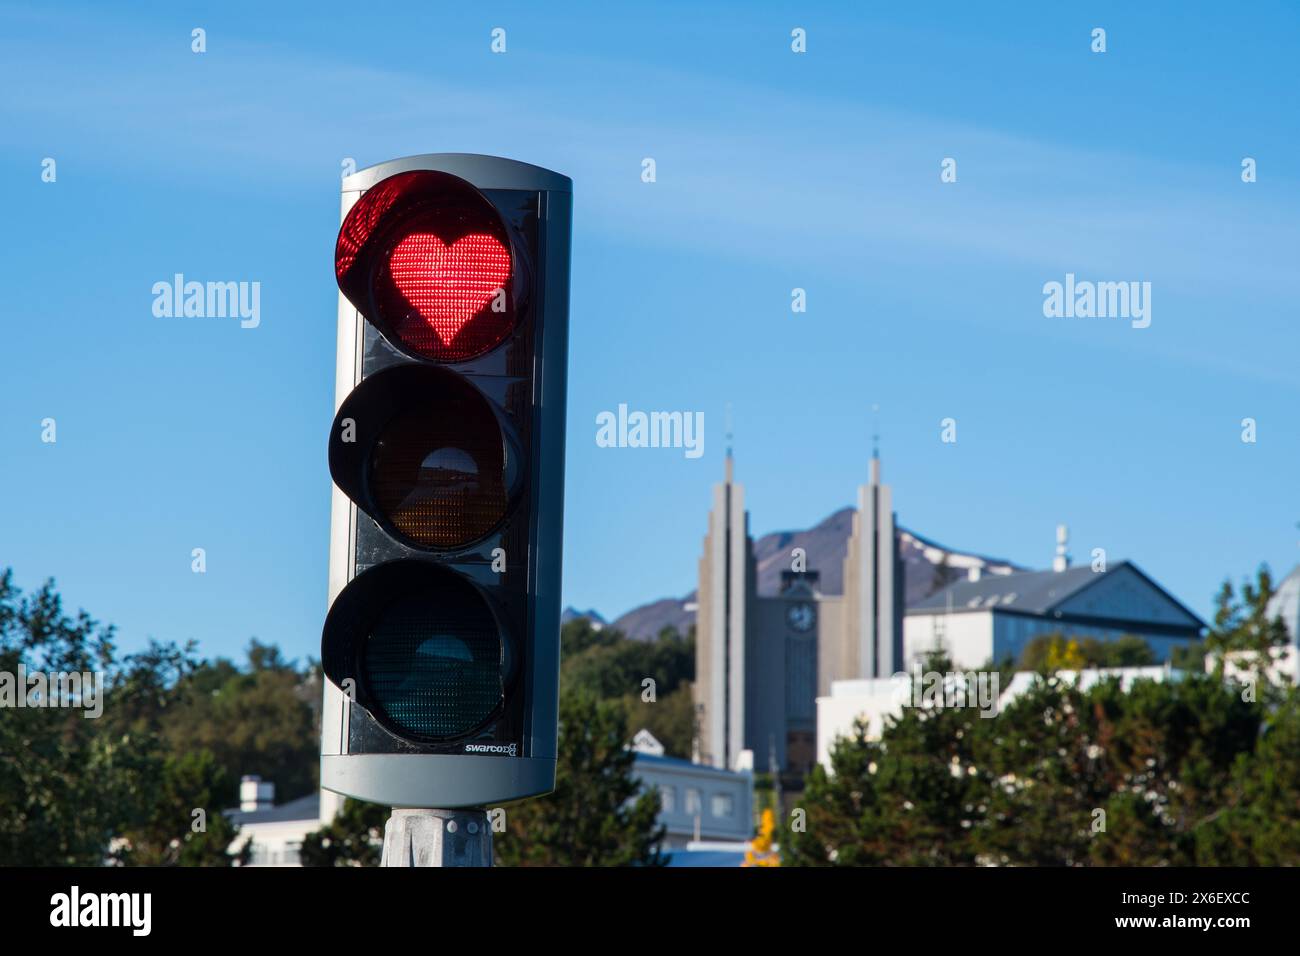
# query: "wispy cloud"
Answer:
x=807 y=179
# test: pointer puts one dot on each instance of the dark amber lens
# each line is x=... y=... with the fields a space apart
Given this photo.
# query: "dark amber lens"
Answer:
x=433 y=662
x=437 y=473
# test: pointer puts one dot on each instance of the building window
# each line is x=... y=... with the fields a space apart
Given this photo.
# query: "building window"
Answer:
x=693 y=802
x=723 y=805
x=667 y=799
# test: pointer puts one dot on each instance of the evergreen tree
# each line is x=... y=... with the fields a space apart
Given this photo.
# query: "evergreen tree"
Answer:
x=355 y=837
x=598 y=815
x=183 y=824
x=1165 y=773
x=1241 y=624
x=908 y=799
x=259 y=719
x=611 y=666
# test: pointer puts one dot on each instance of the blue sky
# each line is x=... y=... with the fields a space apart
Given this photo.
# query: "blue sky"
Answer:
x=775 y=171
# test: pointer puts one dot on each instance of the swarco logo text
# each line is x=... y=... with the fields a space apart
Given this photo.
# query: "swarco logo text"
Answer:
x=508 y=750
x=211 y=300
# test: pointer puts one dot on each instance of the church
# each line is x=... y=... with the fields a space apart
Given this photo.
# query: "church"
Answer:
x=762 y=661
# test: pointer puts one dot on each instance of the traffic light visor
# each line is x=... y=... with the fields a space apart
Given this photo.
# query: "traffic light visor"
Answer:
x=427 y=259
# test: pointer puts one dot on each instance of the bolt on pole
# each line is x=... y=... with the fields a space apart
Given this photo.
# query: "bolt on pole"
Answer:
x=437 y=838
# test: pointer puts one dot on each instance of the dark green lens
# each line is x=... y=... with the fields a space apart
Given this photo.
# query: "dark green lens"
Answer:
x=433 y=663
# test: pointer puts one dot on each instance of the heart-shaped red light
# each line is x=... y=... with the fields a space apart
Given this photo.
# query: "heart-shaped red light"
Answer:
x=448 y=285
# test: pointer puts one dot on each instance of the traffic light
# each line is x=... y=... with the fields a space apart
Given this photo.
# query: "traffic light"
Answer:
x=441 y=646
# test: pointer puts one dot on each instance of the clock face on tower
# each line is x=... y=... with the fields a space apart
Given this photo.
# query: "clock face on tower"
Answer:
x=801 y=616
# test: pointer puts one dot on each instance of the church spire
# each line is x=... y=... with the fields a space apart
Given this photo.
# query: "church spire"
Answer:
x=875 y=444
x=729 y=466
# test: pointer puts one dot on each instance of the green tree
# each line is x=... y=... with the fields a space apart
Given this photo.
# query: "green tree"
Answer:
x=355 y=837
x=581 y=634
x=611 y=666
x=906 y=799
x=1189 y=656
x=61 y=784
x=1049 y=653
x=70 y=784
x=1241 y=623
x=670 y=718
x=1154 y=760
x=1127 y=650
x=184 y=825
x=260 y=719
x=1165 y=773
x=1260 y=823
x=890 y=802
x=598 y=815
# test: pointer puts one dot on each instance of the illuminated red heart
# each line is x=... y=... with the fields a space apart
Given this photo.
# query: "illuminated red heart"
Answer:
x=448 y=285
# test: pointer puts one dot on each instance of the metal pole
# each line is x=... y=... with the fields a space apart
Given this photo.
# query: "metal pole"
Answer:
x=437 y=838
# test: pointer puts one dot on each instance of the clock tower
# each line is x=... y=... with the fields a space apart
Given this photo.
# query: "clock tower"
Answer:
x=802 y=599
x=762 y=660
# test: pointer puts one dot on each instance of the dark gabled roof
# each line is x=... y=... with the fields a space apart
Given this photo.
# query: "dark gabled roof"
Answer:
x=1031 y=592
x=304 y=808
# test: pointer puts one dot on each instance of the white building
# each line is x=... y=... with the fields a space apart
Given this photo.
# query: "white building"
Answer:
x=992 y=619
x=875 y=700
x=871 y=700
x=1285 y=604
x=1088 y=678
x=276 y=832
x=697 y=802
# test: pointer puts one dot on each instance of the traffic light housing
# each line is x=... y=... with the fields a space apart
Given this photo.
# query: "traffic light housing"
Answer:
x=441 y=646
